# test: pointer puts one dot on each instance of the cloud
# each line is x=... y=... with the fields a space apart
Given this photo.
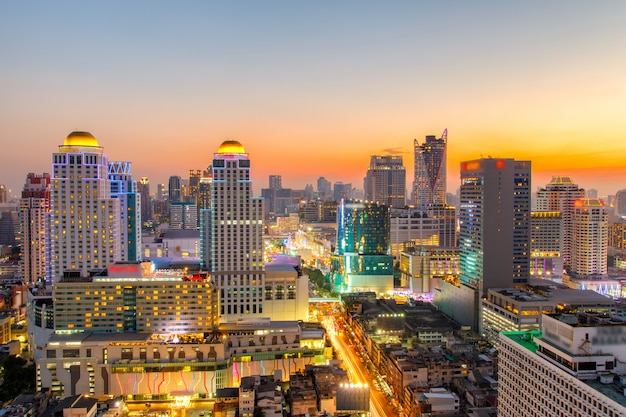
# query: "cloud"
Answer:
x=393 y=151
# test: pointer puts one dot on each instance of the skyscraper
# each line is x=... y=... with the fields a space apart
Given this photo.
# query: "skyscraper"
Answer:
x=559 y=195
x=324 y=188
x=34 y=208
x=124 y=188
x=175 y=192
x=362 y=259
x=385 y=181
x=146 y=201
x=589 y=238
x=429 y=184
x=4 y=194
x=494 y=223
x=233 y=234
x=546 y=245
x=84 y=222
x=494 y=249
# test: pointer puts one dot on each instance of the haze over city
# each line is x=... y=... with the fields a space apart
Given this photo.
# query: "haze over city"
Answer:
x=315 y=88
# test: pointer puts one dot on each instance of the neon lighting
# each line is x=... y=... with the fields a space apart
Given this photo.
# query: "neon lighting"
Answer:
x=119 y=383
x=161 y=383
x=135 y=384
x=183 y=378
x=263 y=367
x=143 y=376
x=206 y=390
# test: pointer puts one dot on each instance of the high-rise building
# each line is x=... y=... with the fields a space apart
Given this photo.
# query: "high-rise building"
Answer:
x=34 y=209
x=573 y=367
x=184 y=216
x=362 y=259
x=385 y=181
x=559 y=195
x=341 y=190
x=546 y=245
x=84 y=218
x=193 y=184
x=429 y=184
x=590 y=238
x=494 y=245
x=9 y=227
x=175 y=191
x=161 y=194
x=124 y=188
x=233 y=234
x=276 y=182
x=232 y=247
x=324 y=189
x=146 y=201
x=494 y=223
x=620 y=203
x=4 y=194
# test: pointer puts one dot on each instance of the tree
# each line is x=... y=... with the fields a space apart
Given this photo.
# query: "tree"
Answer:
x=18 y=378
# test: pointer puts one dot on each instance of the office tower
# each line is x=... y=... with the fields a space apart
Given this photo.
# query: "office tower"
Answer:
x=276 y=182
x=9 y=227
x=203 y=199
x=559 y=195
x=590 y=238
x=233 y=234
x=4 y=194
x=270 y=195
x=84 y=220
x=620 y=203
x=362 y=259
x=494 y=249
x=34 y=209
x=146 y=201
x=324 y=189
x=546 y=245
x=161 y=194
x=447 y=224
x=193 y=184
x=494 y=223
x=184 y=216
x=175 y=192
x=385 y=181
x=124 y=188
x=572 y=368
x=592 y=193
x=429 y=183
x=341 y=190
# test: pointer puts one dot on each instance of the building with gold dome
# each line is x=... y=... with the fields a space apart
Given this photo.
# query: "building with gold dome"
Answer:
x=84 y=220
x=232 y=247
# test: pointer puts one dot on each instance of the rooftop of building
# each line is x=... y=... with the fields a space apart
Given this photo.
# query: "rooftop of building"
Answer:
x=561 y=180
x=78 y=138
x=231 y=147
x=524 y=339
x=519 y=294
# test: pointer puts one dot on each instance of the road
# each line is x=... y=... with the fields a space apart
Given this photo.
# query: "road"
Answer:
x=357 y=372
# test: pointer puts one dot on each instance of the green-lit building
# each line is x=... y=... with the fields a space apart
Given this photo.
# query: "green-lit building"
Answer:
x=362 y=259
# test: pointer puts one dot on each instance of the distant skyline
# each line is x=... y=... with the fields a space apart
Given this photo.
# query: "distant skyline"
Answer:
x=316 y=88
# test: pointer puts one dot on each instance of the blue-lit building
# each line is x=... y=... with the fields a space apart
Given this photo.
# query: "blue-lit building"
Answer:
x=124 y=188
x=362 y=259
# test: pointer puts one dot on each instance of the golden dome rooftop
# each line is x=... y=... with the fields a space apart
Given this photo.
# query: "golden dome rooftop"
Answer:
x=77 y=138
x=231 y=147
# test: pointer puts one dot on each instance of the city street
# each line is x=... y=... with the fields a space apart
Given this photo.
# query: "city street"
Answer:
x=357 y=370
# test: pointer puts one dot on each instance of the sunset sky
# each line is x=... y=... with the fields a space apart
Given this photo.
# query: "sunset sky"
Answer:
x=314 y=88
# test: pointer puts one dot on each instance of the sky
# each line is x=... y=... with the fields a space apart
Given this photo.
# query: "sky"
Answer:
x=314 y=88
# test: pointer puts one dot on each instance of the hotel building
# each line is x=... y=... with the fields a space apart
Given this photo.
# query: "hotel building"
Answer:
x=84 y=222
